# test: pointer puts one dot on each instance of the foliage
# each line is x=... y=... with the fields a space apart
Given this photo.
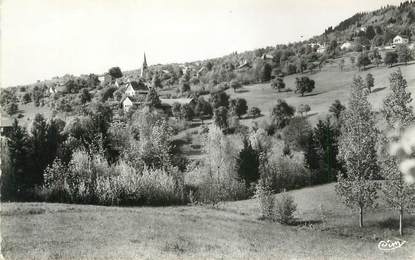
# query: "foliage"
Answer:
x=247 y=163
x=370 y=82
x=219 y=99
x=220 y=117
x=153 y=99
x=404 y=53
x=27 y=98
x=391 y=58
x=186 y=112
x=238 y=106
x=285 y=209
x=296 y=132
x=336 y=109
x=304 y=85
x=254 y=112
x=115 y=72
x=12 y=108
x=203 y=108
x=282 y=113
x=278 y=84
x=357 y=151
x=363 y=60
x=266 y=199
x=303 y=108
x=235 y=84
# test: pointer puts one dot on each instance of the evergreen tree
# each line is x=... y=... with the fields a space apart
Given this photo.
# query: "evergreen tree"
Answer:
x=357 y=152
x=370 y=82
x=38 y=149
x=153 y=99
x=248 y=163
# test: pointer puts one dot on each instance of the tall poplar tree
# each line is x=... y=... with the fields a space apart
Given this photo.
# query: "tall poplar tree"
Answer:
x=399 y=115
x=357 y=143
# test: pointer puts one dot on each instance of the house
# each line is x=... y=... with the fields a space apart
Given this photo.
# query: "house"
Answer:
x=134 y=88
x=52 y=90
x=267 y=57
x=244 y=66
x=346 y=46
x=321 y=49
x=400 y=40
x=127 y=103
x=5 y=125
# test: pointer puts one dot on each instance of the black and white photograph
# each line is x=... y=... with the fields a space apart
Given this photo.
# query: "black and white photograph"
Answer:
x=207 y=129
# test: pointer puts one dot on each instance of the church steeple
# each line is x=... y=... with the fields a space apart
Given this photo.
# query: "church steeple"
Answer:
x=144 y=67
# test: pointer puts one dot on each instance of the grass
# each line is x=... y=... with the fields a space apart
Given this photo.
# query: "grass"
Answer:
x=231 y=230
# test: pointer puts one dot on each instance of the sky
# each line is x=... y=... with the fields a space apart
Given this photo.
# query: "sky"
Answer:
x=41 y=39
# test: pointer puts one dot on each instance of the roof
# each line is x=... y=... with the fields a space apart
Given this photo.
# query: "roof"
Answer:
x=135 y=99
x=138 y=86
x=5 y=121
x=171 y=101
x=403 y=37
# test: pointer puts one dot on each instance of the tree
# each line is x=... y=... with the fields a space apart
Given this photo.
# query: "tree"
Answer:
x=12 y=108
x=219 y=99
x=238 y=107
x=254 y=112
x=184 y=85
x=115 y=72
x=235 y=84
x=296 y=133
x=304 y=85
x=404 y=54
x=176 y=110
x=85 y=96
x=370 y=82
x=282 y=113
x=186 y=112
x=336 y=109
x=220 y=117
x=156 y=82
x=357 y=151
x=27 y=98
x=363 y=60
x=266 y=72
x=38 y=149
x=203 y=108
x=303 y=109
x=18 y=148
x=247 y=163
x=278 y=83
x=391 y=58
x=153 y=99
x=399 y=115
x=376 y=57
x=107 y=93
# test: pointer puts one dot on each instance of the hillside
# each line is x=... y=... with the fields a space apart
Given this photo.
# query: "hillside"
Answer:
x=45 y=230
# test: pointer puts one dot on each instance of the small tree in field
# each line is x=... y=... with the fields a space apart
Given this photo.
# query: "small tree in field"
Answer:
x=238 y=106
x=265 y=198
x=357 y=151
x=278 y=84
x=285 y=208
x=254 y=112
x=304 y=85
x=363 y=60
x=404 y=53
x=303 y=108
x=399 y=115
x=370 y=82
x=282 y=113
x=235 y=84
x=336 y=109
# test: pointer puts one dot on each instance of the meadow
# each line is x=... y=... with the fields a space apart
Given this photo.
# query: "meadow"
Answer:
x=324 y=229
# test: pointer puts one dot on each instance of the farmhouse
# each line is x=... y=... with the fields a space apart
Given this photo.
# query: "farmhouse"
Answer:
x=400 y=40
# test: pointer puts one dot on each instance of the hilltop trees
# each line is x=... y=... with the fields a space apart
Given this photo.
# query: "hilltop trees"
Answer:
x=357 y=152
x=398 y=114
x=304 y=85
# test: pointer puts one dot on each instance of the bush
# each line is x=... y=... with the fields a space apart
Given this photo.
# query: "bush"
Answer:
x=266 y=199
x=254 y=112
x=285 y=208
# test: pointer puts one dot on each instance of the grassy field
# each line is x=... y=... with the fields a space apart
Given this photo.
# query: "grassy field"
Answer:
x=324 y=230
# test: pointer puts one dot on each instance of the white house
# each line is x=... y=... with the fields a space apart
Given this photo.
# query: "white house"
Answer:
x=400 y=40
x=322 y=49
x=346 y=46
x=134 y=88
x=127 y=104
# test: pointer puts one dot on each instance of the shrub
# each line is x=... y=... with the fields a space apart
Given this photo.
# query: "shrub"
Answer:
x=266 y=200
x=285 y=208
x=254 y=112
